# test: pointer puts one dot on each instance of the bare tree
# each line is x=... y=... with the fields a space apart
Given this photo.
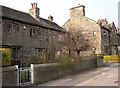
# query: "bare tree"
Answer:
x=76 y=41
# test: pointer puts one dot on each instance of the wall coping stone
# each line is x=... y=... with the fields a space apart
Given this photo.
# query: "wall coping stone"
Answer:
x=47 y=65
x=10 y=68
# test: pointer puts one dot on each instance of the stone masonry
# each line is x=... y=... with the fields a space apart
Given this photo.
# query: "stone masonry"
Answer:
x=26 y=33
x=98 y=33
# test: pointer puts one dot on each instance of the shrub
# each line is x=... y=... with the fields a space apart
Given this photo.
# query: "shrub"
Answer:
x=6 y=58
x=65 y=61
x=35 y=58
x=112 y=58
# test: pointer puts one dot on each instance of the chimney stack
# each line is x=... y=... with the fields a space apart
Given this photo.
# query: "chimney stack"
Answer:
x=50 y=18
x=102 y=21
x=78 y=11
x=34 y=11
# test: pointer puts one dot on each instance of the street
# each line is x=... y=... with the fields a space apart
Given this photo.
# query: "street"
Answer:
x=104 y=76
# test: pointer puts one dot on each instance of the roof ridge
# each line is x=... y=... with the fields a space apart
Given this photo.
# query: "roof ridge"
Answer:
x=20 y=16
x=14 y=9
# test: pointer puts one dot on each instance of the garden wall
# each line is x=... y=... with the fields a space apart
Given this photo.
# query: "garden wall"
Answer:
x=9 y=76
x=47 y=72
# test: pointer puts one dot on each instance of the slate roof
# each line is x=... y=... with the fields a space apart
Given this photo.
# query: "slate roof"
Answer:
x=106 y=26
x=8 y=13
x=109 y=26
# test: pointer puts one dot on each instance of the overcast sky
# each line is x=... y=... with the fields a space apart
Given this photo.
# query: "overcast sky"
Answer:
x=59 y=9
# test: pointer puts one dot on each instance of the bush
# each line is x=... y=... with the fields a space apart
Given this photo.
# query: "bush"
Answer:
x=112 y=58
x=6 y=58
x=35 y=58
x=65 y=61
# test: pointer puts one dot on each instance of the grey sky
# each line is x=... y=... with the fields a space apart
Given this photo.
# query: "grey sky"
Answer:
x=59 y=9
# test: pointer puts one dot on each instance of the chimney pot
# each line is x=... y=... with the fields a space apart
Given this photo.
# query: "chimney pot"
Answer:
x=36 y=5
x=34 y=11
x=103 y=21
x=50 y=18
x=32 y=5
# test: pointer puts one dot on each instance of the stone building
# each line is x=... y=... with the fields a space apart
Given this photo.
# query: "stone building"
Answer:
x=113 y=36
x=98 y=33
x=113 y=39
x=26 y=33
x=118 y=35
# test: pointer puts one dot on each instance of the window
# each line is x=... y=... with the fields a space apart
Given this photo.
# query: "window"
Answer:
x=34 y=32
x=37 y=32
x=10 y=28
x=15 y=28
x=105 y=35
x=30 y=32
x=15 y=52
x=60 y=37
x=106 y=49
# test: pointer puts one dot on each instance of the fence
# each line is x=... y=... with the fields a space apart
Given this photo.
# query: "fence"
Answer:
x=25 y=76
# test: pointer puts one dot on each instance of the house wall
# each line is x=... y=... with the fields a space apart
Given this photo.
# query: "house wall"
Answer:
x=118 y=39
x=105 y=41
x=41 y=38
x=114 y=40
x=118 y=44
x=88 y=27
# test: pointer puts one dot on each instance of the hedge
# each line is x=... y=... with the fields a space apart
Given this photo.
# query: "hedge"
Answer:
x=112 y=58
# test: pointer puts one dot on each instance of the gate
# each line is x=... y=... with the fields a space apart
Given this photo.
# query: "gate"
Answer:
x=25 y=76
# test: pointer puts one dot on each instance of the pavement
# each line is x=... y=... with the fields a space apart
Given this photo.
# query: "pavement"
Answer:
x=104 y=76
x=108 y=78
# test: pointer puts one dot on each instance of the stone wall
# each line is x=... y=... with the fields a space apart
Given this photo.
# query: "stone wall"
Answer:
x=9 y=76
x=29 y=38
x=47 y=72
x=83 y=65
x=89 y=29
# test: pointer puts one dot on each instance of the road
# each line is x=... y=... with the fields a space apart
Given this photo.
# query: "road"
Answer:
x=104 y=76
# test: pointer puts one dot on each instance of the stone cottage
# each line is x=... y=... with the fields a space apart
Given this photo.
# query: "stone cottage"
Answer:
x=98 y=33
x=29 y=36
